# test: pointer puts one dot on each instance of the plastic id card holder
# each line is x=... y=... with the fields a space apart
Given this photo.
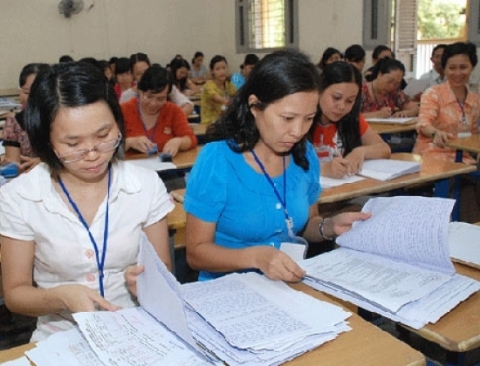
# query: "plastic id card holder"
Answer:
x=296 y=251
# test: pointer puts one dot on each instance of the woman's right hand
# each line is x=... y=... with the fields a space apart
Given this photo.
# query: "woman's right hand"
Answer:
x=440 y=138
x=385 y=112
x=339 y=168
x=139 y=143
x=276 y=264
x=79 y=298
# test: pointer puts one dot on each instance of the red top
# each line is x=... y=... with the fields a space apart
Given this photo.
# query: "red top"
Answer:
x=327 y=143
x=171 y=123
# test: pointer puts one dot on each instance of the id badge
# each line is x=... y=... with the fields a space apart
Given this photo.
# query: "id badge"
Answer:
x=462 y=135
x=296 y=251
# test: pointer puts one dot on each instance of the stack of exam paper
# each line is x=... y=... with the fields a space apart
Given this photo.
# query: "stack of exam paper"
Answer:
x=239 y=319
x=464 y=243
x=396 y=263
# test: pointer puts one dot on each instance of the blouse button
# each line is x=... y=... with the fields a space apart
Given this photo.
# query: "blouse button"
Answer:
x=89 y=253
x=90 y=277
x=278 y=206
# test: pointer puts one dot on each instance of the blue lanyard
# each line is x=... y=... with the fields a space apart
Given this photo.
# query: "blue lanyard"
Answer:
x=288 y=219
x=100 y=262
x=151 y=136
x=464 y=119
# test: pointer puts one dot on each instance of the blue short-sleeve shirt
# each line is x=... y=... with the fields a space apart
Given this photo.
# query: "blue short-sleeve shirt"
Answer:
x=223 y=188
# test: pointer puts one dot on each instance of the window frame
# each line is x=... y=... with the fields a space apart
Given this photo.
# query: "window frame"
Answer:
x=242 y=32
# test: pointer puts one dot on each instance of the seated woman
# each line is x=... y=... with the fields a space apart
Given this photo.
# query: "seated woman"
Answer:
x=341 y=136
x=264 y=188
x=179 y=69
x=329 y=55
x=198 y=72
x=139 y=62
x=355 y=55
x=450 y=109
x=238 y=79
x=217 y=92
x=382 y=97
x=15 y=139
x=123 y=76
x=153 y=122
x=379 y=52
x=70 y=229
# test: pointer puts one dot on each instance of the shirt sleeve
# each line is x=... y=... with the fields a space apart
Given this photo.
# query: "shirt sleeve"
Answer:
x=176 y=97
x=429 y=109
x=363 y=124
x=12 y=222
x=11 y=132
x=205 y=196
x=180 y=125
x=314 y=175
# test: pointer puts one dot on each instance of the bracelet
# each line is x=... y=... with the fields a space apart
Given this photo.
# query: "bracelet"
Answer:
x=320 y=229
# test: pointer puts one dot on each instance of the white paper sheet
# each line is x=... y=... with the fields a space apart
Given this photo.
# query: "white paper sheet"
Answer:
x=392 y=120
x=386 y=169
x=153 y=163
x=464 y=243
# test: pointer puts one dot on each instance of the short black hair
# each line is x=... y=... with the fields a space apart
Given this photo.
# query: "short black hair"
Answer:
x=437 y=47
x=196 y=55
x=215 y=59
x=30 y=69
x=155 y=79
x=329 y=52
x=65 y=58
x=354 y=53
x=379 y=49
x=65 y=85
x=460 y=48
x=385 y=66
x=122 y=65
x=138 y=57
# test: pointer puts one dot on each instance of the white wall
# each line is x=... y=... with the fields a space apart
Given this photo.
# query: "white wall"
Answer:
x=34 y=31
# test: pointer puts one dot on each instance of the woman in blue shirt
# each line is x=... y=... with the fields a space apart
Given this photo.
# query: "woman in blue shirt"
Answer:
x=238 y=79
x=257 y=185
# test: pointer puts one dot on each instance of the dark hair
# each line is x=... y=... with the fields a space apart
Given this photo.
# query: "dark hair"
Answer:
x=122 y=65
x=329 y=52
x=250 y=59
x=460 y=48
x=94 y=62
x=354 y=53
x=197 y=54
x=30 y=69
x=155 y=79
x=437 y=47
x=385 y=66
x=379 y=49
x=215 y=59
x=138 y=57
x=277 y=75
x=348 y=126
x=65 y=85
x=112 y=60
x=176 y=64
x=65 y=58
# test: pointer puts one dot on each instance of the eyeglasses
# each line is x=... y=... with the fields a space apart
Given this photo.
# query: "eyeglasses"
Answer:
x=100 y=148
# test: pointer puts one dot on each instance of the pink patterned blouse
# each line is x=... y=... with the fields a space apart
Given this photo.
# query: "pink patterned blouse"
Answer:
x=15 y=135
x=395 y=100
x=440 y=109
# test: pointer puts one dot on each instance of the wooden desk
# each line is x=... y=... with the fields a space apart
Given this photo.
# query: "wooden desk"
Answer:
x=382 y=128
x=432 y=170
x=183 y=160
x=470 y=144
x=198 y=128
x=365 y=344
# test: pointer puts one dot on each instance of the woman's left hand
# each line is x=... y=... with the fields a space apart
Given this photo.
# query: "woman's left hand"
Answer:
x=401 y=114
x=342 y=223
x=356 y=159
x=131 y=275
x=172 y=146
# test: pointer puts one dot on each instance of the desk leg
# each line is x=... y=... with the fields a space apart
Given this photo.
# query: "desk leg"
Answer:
x=442 y=189
x=456 y=358
x=171 y=242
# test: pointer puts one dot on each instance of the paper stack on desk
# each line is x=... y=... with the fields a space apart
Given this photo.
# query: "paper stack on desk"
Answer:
x=239 y=319
x=464 y=243
x=396 y=263
x=386 y=169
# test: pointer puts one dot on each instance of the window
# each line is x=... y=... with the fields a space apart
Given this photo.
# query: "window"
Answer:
x=266 y=25
x=377 y=21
